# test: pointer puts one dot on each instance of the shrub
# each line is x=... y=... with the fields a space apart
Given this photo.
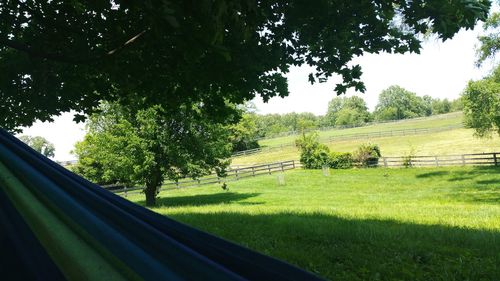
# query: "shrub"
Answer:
x=313 y=155
x=407 y=158
x=367 y=155
x=340 y=160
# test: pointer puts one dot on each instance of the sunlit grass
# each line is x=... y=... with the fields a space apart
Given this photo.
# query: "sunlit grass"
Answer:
x=360 y=224
x=437 y=121
x=457 y=141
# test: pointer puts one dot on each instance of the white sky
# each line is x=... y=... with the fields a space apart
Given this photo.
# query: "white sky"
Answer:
x=441 y=70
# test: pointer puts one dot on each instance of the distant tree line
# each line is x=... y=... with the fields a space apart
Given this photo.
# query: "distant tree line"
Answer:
x=395 y=103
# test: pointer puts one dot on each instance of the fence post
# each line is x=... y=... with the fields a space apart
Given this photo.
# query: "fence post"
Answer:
x=385 y=162
x=463 y=160
x=125 y=190
x=282 y=168
x=236 y=171
x=253 y=171
x=269 y=168
x=293 y=163
x=495 y=159
x=436 y=160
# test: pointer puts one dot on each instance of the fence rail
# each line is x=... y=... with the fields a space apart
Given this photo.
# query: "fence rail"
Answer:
x=476 y=159
x=231 y=175
x=344 y=127
x=355 y=136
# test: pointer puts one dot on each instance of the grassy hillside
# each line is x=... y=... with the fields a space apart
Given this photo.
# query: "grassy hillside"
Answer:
x=456 y=141
x=359 y=224
x=437 y=121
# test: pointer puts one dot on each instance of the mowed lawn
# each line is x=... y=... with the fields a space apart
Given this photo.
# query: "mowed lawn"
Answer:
x=359 y=224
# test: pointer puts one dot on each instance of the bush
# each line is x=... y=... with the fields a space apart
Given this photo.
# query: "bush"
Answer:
x=367 y=155
x=313 y=155
x=340 y=160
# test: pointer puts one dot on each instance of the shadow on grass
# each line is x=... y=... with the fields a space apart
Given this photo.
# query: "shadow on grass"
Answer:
x=479 y=184
x=342 y=249
x=202 y=200
x=458 y=175
x=493 y=181
x=432 y=174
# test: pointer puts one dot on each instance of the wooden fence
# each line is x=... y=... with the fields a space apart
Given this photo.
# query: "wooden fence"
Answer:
x=476 y=159
x=355 y=136
x=231 y=175
x=344 y=127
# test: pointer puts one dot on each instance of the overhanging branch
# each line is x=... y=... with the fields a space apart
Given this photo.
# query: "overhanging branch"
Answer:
x=37 y=53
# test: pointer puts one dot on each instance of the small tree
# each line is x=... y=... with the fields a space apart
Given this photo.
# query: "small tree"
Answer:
x=39 y=144
x=150 y=146
x=482 y=104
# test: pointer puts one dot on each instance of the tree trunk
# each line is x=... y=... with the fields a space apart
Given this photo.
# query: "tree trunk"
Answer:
x=150 y=192
x=152 y=186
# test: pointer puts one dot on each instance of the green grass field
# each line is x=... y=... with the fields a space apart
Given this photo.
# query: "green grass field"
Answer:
x=359 y=224
x=455 y=141
x=437 y=121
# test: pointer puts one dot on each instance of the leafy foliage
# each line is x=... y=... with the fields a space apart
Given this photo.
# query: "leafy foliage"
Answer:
x=341 y=160
x=490 y=42
x=367 y=155
x=397 y=103
x=482 y=104
x=244 y=134
x=58 y=56
x=313 y=155
x=344 y=111
x=40 y=144
x=147 y=147
x=270 y=125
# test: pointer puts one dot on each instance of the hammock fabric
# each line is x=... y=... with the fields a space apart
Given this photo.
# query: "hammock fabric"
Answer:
x=55 y=225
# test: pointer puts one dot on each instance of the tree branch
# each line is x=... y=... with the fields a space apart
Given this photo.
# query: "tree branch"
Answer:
x=37 y=53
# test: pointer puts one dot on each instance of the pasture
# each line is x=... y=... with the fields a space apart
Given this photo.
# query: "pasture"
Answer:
x=457 y=141
x=435 y=121
x=358 y=224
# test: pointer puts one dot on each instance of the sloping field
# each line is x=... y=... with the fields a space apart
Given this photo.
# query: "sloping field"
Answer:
x=458 y=141
x=359 y=224
x=437 y=121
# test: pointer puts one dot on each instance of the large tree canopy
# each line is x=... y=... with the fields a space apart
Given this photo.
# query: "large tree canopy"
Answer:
x=395 y=103
x=347 y=111
x=60 y=55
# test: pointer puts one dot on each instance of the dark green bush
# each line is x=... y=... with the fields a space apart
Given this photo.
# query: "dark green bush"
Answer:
x=367 y=155
x=341 y=160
